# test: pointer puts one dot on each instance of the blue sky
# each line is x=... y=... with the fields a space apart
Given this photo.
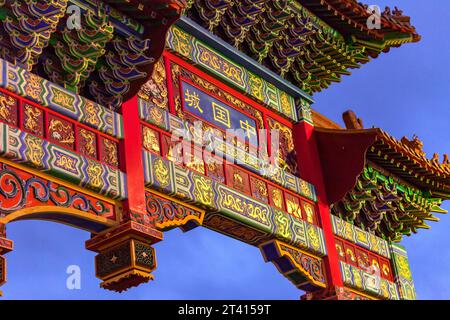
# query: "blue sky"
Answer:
x=404 y=92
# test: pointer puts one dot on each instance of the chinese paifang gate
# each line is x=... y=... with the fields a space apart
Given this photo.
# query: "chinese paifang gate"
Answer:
x=98 y=98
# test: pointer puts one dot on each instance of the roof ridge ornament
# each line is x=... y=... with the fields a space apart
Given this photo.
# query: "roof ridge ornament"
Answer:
x=415 y=144
x=351 y=120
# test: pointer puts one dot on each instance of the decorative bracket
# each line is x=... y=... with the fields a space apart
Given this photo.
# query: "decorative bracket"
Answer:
x=168 y=213
x=305 y=271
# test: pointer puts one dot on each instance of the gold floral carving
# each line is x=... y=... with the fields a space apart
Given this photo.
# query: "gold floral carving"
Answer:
x=181 y=42
x=63 y=99
x=155 y=90
x=32 y=122
x=314 y=238
x=350 y=253
x=282 y=222
x=203 y=190
x=309 y=212
x=89 y=143
x=56 y=128
x=150 y=140
x=34 y=150
x=403 y=267
x=294 y=208
x=256 y=87
x=285 y=103
x=110 y=156
x=162 y=173
x=91 y=114
x=261 y=188
x=94 y=171
x=196 y=164
x=66 y=162
x=277 y=198
x=305 y=188
x=33 y=86
x=6 y=102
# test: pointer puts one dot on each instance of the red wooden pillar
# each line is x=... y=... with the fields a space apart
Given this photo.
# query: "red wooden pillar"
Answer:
x=131 y=162
x=311 y=170
x=126 y=257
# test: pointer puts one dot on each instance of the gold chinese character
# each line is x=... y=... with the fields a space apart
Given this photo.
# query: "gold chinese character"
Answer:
x=221 y=114
x=193 y=100
x=248 y=128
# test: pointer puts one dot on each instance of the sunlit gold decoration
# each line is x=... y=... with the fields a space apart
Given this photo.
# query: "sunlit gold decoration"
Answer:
x=363 y=260
x=66 y=162
x=256 y=87
x=340 y=251
x=203 y=190
x=282 y=223
x=238 y=181
x=375 y=264
x=94 y=171
x=150 y=140
x=277 y=198
x=155 y=90
x=6 y=103
x=63 y=99
x=34 y=150
x=214 y=169
x=294 y=208
x=350 y=253
x=305 y=189
x=196 y=164
x=181 y=42
x=162 y=174
x=309 y=210
x=357 y=278
x=91 y=113
x=89 y=145
x=57 y=129
x=110 y=155
x=314 y=237
x=32 y=86
x=261 y=188
x=33 y=115
x=403 y=267
x=386 y=270
x=285 y=103
x=156 y=115
x=286 y=143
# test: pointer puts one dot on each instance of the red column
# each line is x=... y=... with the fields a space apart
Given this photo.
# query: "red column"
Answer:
x=308 y=160
x=131 y=161
x=136 y=233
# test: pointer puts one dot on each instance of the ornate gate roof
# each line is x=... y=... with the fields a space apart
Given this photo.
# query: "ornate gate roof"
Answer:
x=103 y=50
x=312 y=43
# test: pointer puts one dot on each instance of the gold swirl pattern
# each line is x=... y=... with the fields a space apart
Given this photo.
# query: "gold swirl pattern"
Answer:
x=34 y=150
x=162 y=174
x=203 y=190
x=94 y=171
